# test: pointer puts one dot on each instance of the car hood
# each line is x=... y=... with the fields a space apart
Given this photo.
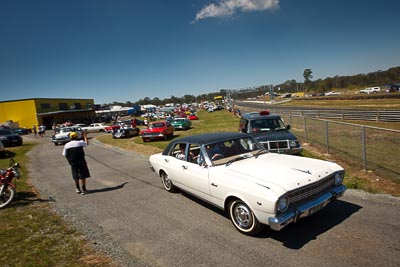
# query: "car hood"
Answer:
x=285 y=171
x=62 y=135
x=274 y=135
x=12 y=135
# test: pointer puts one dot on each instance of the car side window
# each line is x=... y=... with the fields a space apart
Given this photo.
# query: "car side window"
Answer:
x=194 y=153
x=178 y=151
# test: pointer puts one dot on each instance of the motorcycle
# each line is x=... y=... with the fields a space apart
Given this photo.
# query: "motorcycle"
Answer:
x=7 y=188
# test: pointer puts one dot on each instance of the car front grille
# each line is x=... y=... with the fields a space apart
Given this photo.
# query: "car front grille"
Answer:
x=310 y=191
x=276 y=145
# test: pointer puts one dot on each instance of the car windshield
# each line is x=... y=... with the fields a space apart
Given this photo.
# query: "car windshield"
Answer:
x=156 y=125
x=65 y=130
x=232 y=150
x=263 y=125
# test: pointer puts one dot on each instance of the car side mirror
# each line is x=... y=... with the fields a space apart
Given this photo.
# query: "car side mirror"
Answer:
x=288 y=127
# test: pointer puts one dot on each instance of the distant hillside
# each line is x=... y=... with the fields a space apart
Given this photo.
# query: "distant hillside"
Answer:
x=340 y=83
x=377 y=78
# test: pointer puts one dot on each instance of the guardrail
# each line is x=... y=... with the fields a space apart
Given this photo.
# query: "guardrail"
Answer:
x=343 y=114
x=370 y=148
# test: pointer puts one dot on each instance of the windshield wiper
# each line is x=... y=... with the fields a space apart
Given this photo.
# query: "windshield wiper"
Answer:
x=242 y=156
x=279 y=129
x=261 y=151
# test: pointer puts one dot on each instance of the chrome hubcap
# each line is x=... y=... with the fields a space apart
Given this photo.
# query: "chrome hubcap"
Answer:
x=242 y=216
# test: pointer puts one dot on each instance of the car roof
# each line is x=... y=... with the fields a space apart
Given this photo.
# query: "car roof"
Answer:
x=257 y=115
x=209 y=138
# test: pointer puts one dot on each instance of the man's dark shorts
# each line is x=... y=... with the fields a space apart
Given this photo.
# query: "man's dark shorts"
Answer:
x=80 y=170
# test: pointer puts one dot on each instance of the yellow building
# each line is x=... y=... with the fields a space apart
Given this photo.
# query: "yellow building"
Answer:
x=46 y=111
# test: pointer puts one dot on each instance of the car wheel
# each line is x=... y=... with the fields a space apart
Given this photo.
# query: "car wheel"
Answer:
x=243 y=218
x=167 y=183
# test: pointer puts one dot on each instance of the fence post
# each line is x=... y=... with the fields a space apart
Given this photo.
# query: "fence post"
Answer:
x=326 y=137
x=364 y=148
x=305 y=130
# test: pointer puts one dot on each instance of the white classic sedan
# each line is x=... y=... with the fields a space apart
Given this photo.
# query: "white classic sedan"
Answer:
x=95 y=128
x=235 y=173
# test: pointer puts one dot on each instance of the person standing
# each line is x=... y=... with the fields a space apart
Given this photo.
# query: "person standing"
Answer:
x=34 y=130
x=74 y=153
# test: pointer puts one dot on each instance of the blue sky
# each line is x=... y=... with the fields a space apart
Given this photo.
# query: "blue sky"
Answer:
x=126 y=50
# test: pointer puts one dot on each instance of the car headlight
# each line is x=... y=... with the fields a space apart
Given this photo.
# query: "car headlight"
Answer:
x=339 y=176
x=294 y=143
x=283 y=204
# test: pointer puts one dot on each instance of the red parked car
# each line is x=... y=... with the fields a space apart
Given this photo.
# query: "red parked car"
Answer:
x=158 y=130
x=111 y=128
x=193 y=117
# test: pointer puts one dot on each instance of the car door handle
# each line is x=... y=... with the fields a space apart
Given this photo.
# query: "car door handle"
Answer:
x=215 y=185
x=166 y=160
x=184 y=167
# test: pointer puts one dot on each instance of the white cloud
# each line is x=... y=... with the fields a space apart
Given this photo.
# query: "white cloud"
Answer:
x=230 y=7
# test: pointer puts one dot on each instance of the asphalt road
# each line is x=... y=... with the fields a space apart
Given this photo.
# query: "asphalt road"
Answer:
x=132 y=218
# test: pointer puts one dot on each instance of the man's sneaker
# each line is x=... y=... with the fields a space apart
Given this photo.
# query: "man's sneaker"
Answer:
x=78 y=191
x=84 y=192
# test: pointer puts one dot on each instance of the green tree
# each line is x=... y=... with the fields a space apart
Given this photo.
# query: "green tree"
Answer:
x=307 y=74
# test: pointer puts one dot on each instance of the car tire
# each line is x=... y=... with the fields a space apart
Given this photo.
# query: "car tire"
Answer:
x=243 y=218
x=167 y=183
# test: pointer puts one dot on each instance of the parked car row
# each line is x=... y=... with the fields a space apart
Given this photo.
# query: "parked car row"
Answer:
x=10 y=138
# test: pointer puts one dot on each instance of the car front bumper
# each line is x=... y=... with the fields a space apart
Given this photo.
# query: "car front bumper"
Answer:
x=306 y=209
x=153 y=135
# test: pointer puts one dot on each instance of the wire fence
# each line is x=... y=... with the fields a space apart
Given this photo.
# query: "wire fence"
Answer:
x=371 y=148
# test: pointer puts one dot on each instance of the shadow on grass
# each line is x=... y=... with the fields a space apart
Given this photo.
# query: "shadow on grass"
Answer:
x=24 y=198
x=7 y=154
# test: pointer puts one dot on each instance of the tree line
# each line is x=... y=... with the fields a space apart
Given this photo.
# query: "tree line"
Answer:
x=377 y=78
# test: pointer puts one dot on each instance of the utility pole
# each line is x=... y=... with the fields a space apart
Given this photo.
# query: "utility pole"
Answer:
x=271 y=93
